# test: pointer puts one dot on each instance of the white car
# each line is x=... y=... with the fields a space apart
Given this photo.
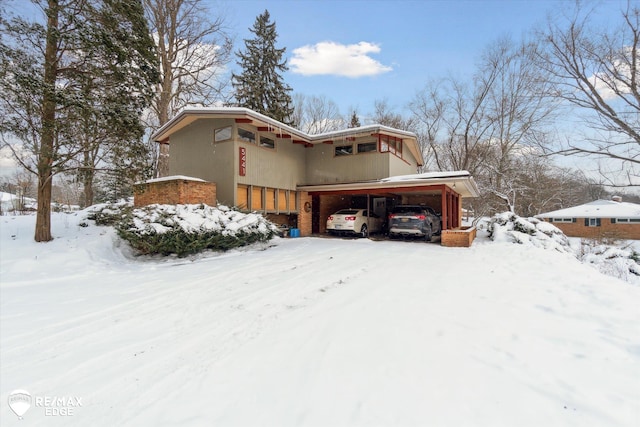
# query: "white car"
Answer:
x=354 y=221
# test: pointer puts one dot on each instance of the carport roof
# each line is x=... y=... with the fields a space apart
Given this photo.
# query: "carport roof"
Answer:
x=460 y=181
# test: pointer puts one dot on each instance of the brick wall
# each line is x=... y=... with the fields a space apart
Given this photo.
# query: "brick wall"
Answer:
x=175 y=191
x=605 y=230
x=459 y=237
x=304 y=217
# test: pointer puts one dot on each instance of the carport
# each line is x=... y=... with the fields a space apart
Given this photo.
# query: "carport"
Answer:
x=442 y=191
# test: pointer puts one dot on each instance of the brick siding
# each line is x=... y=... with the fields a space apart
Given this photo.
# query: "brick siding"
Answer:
x=173 y=192
x=459 y=237
x=304 y=217
x=605 y=230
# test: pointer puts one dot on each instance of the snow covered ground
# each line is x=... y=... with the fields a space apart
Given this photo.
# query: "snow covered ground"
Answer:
x=312 y=332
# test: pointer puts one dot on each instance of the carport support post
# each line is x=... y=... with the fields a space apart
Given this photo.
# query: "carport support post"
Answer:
x=443 y=202
x=368 y=216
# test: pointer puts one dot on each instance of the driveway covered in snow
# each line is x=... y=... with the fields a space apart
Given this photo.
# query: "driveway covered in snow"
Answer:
x=315 y=332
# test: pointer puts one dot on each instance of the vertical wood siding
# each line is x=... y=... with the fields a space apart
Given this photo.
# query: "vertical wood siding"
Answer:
x=325 y=168
x=192 y=152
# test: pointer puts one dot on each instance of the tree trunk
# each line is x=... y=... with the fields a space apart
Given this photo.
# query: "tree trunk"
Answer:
x=43 y=218
x=88 y=174
x=46 y=154
x=87 y=190
x=164 y=103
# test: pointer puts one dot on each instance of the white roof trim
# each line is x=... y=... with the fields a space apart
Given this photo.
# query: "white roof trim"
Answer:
x=460 y=181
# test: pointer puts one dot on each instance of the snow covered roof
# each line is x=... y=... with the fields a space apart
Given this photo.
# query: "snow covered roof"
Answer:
x=174 y=177
x=461 y=181
x=7 y=197
x=426 y=175
x=597 y=209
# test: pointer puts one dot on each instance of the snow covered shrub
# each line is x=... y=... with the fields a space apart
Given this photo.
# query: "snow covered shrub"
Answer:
x=188 y=229
x=618 y=260
x=109 y=213
x=509 y=227
x=615 y=260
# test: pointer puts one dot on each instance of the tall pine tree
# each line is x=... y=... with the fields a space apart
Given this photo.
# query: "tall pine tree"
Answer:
x=87 y=66
x=260 y=86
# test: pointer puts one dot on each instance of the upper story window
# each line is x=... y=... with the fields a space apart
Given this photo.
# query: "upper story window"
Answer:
x=367 y=147
x=344 y=150
x=267 y=142
x=246 y=135
x=390 y=144
x=222 y=134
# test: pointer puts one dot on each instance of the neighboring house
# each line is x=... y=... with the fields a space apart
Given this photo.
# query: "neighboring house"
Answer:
x=599 y=219
x=11 y=203
x=297 y=179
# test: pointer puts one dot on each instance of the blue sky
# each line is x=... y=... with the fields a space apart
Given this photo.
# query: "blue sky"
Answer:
x=388 y=49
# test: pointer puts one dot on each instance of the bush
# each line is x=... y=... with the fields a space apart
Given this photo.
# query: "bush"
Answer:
x=509 y=227
x=184 y=229
x=110 y=213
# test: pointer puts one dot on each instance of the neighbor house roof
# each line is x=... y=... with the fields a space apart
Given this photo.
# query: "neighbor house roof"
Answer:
x=597 y=209
x=190 y=115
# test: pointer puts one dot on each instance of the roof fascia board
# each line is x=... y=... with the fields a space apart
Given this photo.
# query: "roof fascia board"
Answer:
x=469 y=189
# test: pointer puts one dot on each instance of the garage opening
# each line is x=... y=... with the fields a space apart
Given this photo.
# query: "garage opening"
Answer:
x=442 y=199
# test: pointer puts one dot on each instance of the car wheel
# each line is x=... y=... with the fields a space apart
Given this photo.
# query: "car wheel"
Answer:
x=364 y=231
x=427 y=234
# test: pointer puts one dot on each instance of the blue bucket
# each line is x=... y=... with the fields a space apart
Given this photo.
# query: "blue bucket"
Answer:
x=294 y=232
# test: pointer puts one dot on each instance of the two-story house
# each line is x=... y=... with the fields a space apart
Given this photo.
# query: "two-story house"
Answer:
x=260 y=164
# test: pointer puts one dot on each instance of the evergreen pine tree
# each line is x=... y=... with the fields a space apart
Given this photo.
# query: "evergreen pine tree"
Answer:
x=260 y=86
x=82 y=67
x=355 y=121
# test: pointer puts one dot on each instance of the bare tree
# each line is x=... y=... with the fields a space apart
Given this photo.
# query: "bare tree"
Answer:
x=486 y=127
x=194 y=47
x=597 y=71
x=520 y=106
x=317 y=114
x=429 y=107
x=384 y=115
x=451 y=119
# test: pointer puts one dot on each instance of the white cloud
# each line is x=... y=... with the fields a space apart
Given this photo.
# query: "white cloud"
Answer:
x=8 y=164
x=330 y=58
x=618 y=76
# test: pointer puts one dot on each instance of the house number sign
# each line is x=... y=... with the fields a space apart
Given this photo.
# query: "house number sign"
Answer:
x=243 y=161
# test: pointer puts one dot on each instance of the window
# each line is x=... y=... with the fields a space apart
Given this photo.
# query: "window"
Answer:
x=293 y=205
x=624 y=220
x=243 y=197
x=282 y=200
x=367 y=147
x=267 y=142
x=256 y=198
x=561 y=220
x=344 y=150
x=391 y=145
x=246 y=135
x=222 y=134
x=592 y=222
x=271 y=199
